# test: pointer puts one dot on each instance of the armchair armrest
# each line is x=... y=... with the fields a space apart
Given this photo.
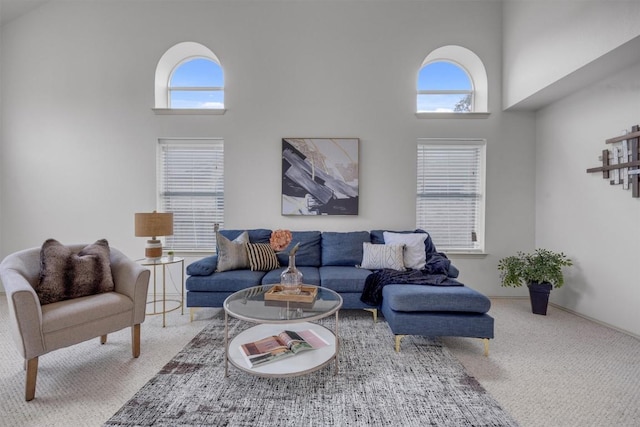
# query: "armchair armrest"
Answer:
x=25 y=313
x=132 y=280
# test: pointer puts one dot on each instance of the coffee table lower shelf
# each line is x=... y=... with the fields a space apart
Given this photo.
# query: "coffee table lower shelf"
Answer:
x=300 y=364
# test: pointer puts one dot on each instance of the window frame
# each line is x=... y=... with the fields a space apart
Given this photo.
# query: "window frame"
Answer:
x=216 y=216
x=470 y=92
x=473 y=66
x=169 y=61
x=480 y=208
x=171 y=89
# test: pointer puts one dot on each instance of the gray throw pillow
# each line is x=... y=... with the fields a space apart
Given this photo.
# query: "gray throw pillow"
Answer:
x=65 y=275
x=232 y=254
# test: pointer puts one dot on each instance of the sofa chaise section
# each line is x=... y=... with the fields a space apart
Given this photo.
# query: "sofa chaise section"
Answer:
x=437 y=311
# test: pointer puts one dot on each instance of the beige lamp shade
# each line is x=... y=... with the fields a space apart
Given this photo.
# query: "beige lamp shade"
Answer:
x=152 y=225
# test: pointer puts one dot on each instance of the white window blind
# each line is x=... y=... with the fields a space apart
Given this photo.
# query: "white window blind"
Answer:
x=191 y=185
x=450 y=193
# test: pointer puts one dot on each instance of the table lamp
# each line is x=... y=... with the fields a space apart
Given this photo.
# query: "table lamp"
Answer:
x=153 y=225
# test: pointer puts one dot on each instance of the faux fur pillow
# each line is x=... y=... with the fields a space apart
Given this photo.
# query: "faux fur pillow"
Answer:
x=66 y=275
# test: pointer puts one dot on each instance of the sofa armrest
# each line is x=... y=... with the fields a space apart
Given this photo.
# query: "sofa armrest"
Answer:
x=25 y=314
x=203 y=267
x=130 y=279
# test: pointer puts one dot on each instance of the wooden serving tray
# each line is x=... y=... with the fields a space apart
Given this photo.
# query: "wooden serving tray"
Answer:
x=307 y=294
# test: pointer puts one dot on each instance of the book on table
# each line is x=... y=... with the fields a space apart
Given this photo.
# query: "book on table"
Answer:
x=283 y=345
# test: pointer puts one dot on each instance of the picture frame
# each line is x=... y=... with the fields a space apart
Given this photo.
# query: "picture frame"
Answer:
x=320 y=176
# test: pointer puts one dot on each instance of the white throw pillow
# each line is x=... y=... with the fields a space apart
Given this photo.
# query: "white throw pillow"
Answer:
x=382 y=256
x=414 y=252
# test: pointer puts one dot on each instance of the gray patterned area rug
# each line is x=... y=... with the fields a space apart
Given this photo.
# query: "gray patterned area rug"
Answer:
x=423 y=385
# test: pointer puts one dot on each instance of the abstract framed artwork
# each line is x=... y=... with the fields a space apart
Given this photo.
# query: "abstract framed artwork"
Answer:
x=320 y=176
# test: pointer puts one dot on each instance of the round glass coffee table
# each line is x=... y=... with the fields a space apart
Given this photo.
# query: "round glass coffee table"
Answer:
x=272 y=317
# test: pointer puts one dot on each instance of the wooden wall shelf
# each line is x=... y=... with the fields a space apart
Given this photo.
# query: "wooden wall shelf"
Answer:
x=621 y=162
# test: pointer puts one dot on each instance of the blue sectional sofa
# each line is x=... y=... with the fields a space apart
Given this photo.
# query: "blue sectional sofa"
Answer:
x=332 y=260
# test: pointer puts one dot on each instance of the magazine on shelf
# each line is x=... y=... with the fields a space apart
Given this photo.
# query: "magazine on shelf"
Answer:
x=276 y=347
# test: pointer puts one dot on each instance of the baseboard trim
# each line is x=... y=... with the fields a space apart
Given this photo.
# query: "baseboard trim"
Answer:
x=599 y=322
x=568 y=310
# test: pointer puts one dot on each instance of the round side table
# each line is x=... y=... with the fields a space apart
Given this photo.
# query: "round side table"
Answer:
x=164 y=262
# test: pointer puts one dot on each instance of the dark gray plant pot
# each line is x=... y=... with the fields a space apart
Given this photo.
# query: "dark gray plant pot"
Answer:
x=539 y=295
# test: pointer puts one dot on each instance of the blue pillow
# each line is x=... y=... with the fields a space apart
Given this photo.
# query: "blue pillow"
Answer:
x=343 y=248
x=309 y=251
x=203 y=267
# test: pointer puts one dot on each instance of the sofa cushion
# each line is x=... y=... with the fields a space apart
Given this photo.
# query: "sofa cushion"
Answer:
x=66 y=275
x=85 y=310
x=343 y=278
x=232 y=254
x=343 y=249
x=256 y=235
x=261 y=257
x=410 y=298
x=375 y=257
x=227 y=281
x=203 y=267
x=310 y=276
x=309 y=251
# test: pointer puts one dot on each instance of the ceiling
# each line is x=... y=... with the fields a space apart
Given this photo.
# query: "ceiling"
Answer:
x=12 y=9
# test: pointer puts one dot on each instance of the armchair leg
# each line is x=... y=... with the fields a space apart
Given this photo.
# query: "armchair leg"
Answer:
x=135 y=340
x=103 y=339
x=32 y=375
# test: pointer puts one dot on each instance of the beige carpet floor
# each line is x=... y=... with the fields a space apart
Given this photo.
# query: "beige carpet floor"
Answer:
x=555 y=370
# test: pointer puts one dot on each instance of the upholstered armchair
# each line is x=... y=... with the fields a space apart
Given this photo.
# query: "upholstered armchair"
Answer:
x=41 y=328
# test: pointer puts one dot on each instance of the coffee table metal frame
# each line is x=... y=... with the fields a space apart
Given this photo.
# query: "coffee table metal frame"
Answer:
x=281 y=314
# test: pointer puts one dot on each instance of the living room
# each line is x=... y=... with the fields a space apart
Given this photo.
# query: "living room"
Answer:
x=79 y=135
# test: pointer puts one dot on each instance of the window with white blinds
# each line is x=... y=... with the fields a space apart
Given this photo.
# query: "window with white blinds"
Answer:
x=191 y=185
x=450 y=193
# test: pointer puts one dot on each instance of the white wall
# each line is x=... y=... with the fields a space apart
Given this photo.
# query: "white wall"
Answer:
x=548 y=42
x=79 y=136
x=595 y=223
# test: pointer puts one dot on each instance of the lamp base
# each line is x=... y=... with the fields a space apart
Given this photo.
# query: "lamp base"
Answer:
x=153 y=250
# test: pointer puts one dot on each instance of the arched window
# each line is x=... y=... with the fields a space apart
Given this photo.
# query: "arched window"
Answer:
x=444 y=87
x=189 y=79
x=452 y=79
x=197 y=83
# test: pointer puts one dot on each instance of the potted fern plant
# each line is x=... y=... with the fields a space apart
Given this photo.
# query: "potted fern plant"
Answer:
x=540 y=270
